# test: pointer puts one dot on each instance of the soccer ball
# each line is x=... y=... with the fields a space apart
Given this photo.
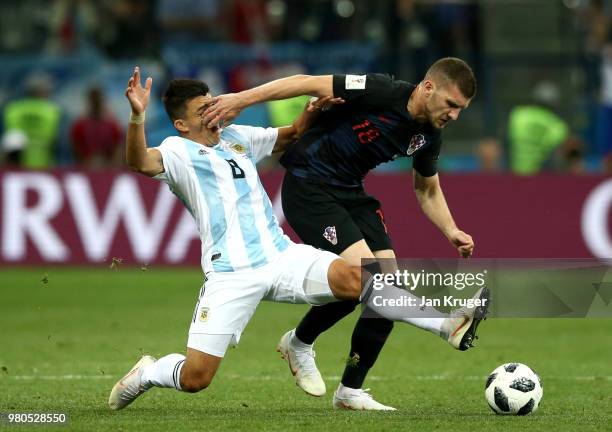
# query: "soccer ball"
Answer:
x=513 y=388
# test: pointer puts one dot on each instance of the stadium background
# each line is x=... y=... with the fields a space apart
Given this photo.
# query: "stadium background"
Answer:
x=70 y=210
x=519 y=50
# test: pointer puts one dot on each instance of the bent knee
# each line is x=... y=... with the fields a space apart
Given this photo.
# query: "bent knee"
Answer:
x=345 y=280
x=354 y=280
x=193 y=383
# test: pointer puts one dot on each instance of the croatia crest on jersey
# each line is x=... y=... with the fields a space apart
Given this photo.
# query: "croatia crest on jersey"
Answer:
x=416 y=143
x=330 y=235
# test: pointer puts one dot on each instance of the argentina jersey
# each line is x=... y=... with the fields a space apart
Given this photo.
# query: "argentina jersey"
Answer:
x=221 y=189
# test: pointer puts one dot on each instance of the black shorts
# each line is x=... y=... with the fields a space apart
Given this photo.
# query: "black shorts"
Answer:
x=333 y=218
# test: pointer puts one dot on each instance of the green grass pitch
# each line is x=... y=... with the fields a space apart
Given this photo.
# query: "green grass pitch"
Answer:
x=64 y=343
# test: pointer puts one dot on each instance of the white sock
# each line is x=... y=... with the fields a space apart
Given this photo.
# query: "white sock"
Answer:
x=165 y=372
x=297 y=344
x=433 y=325
x=426 y=318
x=344 y=391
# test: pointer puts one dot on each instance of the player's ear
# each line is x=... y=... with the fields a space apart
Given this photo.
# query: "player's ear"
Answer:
x=429 y=87
x=180 y=126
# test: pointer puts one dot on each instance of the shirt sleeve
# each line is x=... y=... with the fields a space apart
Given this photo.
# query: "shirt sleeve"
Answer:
x=174 y=165
x=426 y=162
x=261 y=140
x=373 y=90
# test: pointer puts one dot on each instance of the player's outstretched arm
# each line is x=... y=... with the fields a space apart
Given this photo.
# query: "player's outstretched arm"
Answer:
x=288 y=134
x=432 y=202
x=138 y=157
x=225 y=108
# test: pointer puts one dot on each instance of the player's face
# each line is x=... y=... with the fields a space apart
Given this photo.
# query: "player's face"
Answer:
x=194 y=124
x=444 y=103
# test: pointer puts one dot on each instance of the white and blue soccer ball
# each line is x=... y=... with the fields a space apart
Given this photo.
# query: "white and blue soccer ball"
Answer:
x=513 y=389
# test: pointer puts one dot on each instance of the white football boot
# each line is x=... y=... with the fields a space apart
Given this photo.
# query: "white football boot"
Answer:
x=129 y=387
x=459 y=329
x=357 y=399
x=302 y=365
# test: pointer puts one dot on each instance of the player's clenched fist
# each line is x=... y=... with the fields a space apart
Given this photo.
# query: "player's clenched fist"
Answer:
x=463 y=242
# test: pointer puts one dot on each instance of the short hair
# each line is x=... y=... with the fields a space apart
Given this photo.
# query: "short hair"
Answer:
x=456 y=71
x=179 y=92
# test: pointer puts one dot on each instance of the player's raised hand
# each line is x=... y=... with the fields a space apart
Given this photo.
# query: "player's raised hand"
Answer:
x=463 y=242
x=223 y=109
x=323 y=103
x=137 y=94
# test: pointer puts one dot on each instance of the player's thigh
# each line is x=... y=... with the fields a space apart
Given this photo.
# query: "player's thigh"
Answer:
x=226 y=303
x=317 y=216
x=366 y=213
x=356 y=252
x=313 y=276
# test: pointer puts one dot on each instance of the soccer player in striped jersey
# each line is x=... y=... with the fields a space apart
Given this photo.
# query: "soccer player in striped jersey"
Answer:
x=245 y=255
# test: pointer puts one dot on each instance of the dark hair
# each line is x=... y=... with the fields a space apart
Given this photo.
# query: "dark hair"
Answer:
x=179 y=92
x=456 y=71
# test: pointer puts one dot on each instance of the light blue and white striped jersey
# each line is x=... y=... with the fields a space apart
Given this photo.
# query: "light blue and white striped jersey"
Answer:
x=221 y=189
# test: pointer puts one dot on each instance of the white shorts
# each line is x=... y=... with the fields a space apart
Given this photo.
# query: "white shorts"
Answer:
x=228 y=300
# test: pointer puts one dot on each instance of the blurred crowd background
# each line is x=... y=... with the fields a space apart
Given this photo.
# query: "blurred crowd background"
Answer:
x=544 y=69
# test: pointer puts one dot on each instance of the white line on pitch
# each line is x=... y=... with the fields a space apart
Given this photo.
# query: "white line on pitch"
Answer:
x=283 y=377
x=59 y=377
x=415 y=377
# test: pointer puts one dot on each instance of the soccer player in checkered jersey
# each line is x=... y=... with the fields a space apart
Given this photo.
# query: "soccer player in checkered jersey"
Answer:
x=326 y=205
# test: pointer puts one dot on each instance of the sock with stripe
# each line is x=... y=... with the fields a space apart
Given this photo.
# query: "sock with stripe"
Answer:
x=165 y=372
x=427 y=318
